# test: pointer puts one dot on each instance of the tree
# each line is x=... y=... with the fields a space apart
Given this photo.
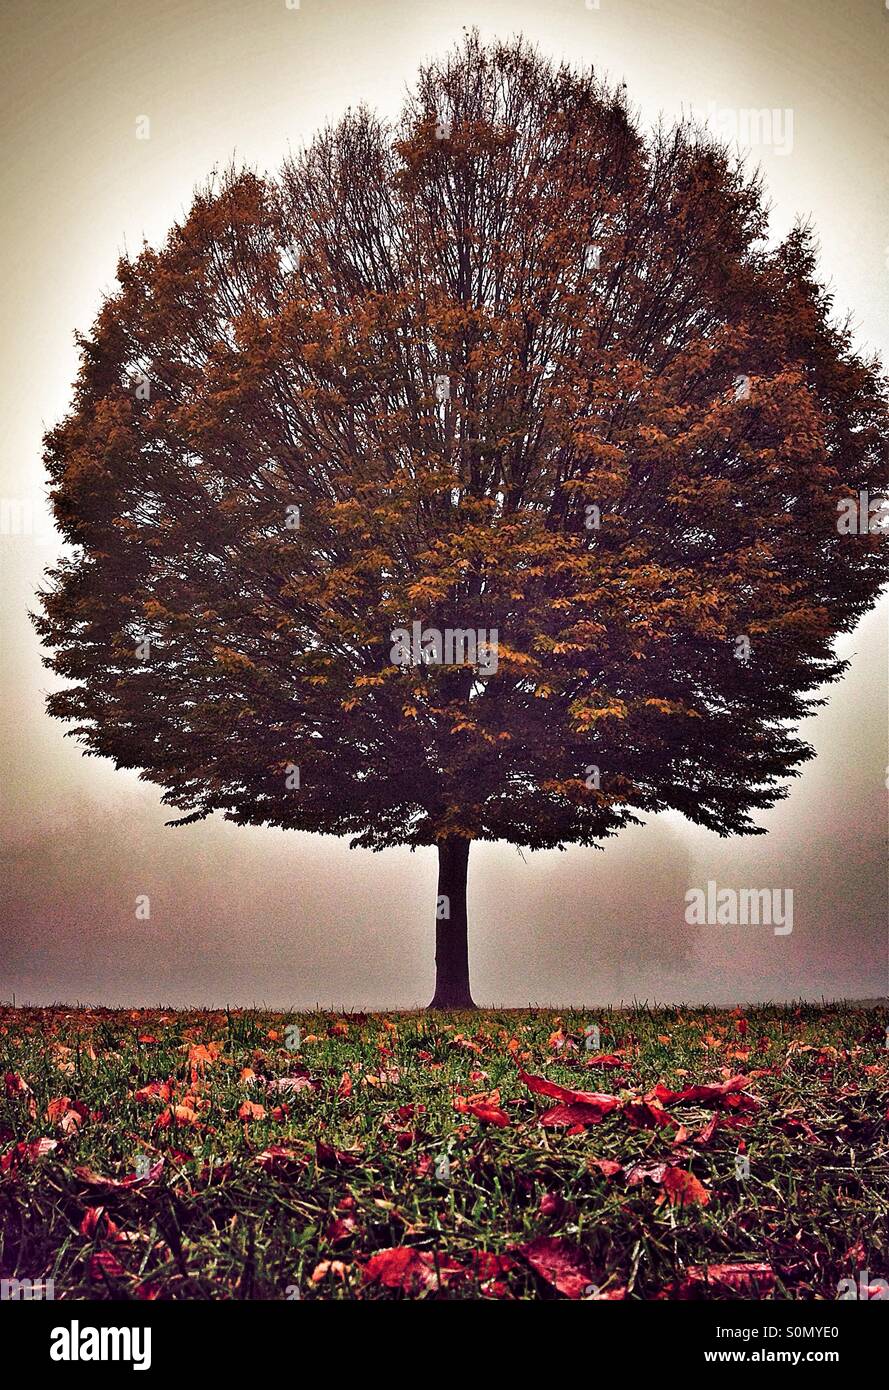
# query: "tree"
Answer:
x=515 y=372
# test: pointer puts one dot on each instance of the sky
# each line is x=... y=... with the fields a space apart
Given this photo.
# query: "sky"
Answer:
x=247 y=916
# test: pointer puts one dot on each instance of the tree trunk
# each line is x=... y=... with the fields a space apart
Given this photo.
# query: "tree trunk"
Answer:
x=451 y=941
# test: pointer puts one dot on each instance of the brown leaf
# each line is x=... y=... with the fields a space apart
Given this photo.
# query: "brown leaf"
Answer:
x=92 y=1179
x=283 y=1159
x=683 y=1189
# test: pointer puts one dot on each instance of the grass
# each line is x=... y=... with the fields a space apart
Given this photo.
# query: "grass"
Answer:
x=296 y=1197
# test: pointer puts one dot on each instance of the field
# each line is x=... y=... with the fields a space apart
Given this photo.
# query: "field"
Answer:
x=673 y=1154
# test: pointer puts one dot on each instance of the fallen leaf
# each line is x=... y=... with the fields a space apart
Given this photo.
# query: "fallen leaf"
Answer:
x=683 y=1189
x=282 y=1159
x=490 y=1114
x=606 y=1166
x=595 y=1099
x=96 y=1222
x=103 y=1265
x=334 y=1267
x=26 y=1152
x=328 y=1157
x=154 y=1091
x=732 y=1091
x=202 y=1056
x=341 y=1230
x=562 y=1265
x=756 y=1280
x=643 y=1115
x=92 y=1179
x=560 y=1115
x=640 y=1171
x=403 y=1267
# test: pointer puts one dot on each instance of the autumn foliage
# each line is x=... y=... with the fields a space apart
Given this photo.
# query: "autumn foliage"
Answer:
x=648 y=420
x=151 y=1154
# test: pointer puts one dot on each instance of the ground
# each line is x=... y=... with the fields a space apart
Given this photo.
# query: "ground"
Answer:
x=517 y=1155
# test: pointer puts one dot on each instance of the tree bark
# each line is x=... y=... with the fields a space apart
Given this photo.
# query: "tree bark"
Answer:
x=451 y=938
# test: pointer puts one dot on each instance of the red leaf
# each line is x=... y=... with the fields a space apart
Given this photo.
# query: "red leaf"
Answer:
x=723 y=1092
x=155 y=1090
x=560 y=1115
x=643 y=1115
x=328 y=1157
x=96 y=1222
x=704 y=1137
x=560 y=1264
x=341 y=1229
x=552 y=1204
x=489 y=1113
x=603 y=1103
x=606 y=1166
x=792 y=1125
x=757 y=1280
x=486 y=1265
x=147 y=1290
x=104 y=1265
x=641 y=1171
x=26 y=1153
x=402 y=1267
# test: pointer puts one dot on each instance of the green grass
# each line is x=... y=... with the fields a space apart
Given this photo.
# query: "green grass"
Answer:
x=218 y=1224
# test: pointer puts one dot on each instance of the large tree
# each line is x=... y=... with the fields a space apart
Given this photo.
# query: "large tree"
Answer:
x=514 y=366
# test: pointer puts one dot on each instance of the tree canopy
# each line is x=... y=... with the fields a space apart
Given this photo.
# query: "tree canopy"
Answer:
x=512 y=364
